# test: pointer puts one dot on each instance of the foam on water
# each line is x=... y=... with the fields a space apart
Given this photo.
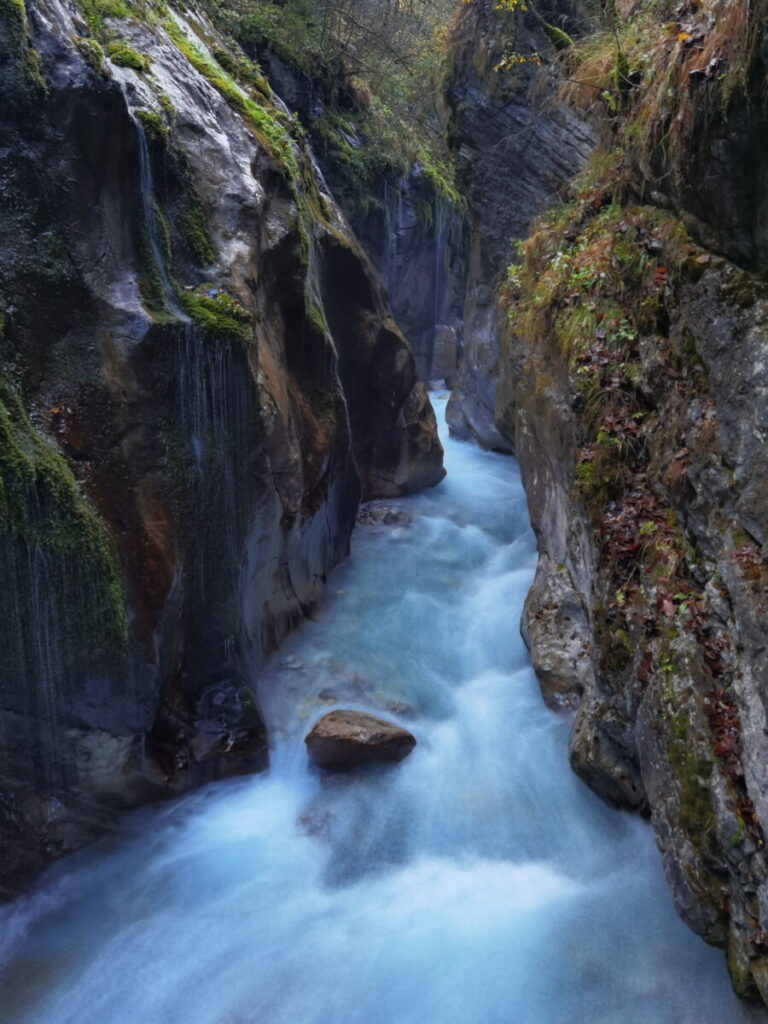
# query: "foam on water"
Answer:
x=476 y=883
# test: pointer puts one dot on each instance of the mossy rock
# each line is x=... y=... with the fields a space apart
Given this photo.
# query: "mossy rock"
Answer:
x=92 y=53
x=196 y=236
x=125 y=57
x=155 y=126
x=262 y=120
x=96 y=11
x=41 y=508
x=20 y=66
x=216 y=313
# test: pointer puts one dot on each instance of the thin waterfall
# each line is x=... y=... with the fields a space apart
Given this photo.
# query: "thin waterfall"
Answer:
x=44 y=633
x=33 y=639
x=47 y=652
x=214 y=423
x=150 y=222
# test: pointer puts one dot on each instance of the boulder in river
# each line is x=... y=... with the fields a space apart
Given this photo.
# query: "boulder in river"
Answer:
x=346 y=739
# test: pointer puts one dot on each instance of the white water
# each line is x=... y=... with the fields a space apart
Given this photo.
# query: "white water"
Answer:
x=476 y=883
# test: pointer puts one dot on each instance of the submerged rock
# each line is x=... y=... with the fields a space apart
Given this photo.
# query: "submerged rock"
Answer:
x=373 y=513
x=346 y=739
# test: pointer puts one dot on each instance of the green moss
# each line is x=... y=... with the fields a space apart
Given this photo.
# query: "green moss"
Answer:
x=92 y=52
x=194 y=231
x=615 y=644
x=243 y=70
x=151 y=291
x=692 y=774
x=168 y=107
x=151 y=284
x=217 y=313
x=316 y=317
x=125 y=57
x=165 y=237
x=13 y=18
x=441 y=177
x=155 y=126
x=601 y=479
x=41 y=506
x=33 y=65
x=15 y=46
x=742 y=289
x=95 y=11
x=559 y=39
x=264 y=123
x=740 y=833
x=112 y=8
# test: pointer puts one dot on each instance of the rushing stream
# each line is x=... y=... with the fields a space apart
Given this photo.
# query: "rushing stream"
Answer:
x=479 y=882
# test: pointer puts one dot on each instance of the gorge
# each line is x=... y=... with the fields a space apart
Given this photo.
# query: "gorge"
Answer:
x=479 y=880
x=239 y=239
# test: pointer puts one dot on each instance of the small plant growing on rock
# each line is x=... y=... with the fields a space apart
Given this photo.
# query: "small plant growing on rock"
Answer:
x=125 y=57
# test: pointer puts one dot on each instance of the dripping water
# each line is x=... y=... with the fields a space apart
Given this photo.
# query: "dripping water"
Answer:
x=150 y=221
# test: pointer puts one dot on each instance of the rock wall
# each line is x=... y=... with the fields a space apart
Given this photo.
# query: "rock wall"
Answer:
x=412 y=231
x=199 y=376
x=633 y=388
x=416 y=238
x=516 y=148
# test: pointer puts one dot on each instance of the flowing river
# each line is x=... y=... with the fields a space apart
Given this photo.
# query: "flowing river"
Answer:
x=478 y=882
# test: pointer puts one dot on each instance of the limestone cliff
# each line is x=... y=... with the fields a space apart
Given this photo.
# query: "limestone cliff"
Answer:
x=633 y=387
x=405 y=215
x=516 y=146
x=199 y=376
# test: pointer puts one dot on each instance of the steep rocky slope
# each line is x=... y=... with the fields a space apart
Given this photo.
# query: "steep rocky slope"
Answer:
x=633 y=387
x=199 y=378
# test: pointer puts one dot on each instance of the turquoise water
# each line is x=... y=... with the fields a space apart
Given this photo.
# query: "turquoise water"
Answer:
x=478 y=882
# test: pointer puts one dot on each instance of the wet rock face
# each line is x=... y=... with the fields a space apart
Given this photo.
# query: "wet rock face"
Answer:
x=672 y=710
x=180 y=459
x=516 y=148
x=416 y=241
x=556 y=630
x=650 y=599
x=348 y=739
x=651 y=510
x=413 y=234
x=395 y=442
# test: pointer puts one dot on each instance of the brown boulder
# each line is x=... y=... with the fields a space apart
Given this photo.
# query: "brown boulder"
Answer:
x=346 y=739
